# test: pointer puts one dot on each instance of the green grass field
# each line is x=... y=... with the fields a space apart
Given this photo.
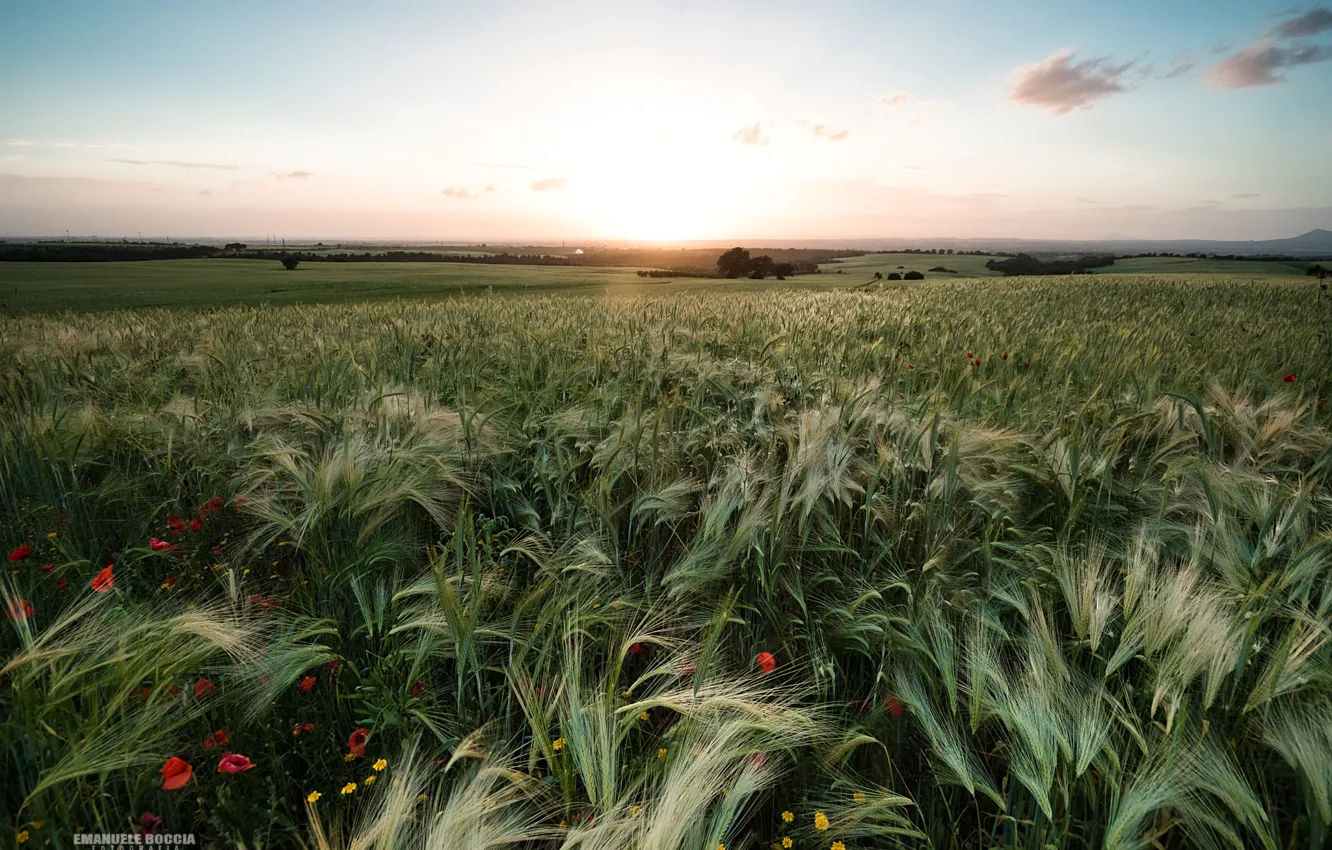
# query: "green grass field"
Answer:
x=51 y=287
x=1023 y=563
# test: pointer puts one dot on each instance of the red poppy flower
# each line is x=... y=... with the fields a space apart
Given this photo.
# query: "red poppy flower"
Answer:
x=979 y=362
x=894 y=707
x=214 y=504
x=911 y=365
x=241 y=500
x=901 y=397
x=61 y=582
x=302 y=729
x=175 y=525
x=234 y=763
x=203 y=688
x=766 y=662
x=333 y=667
x=20 y=610
x=418 y=688
x=637 y=648
x=220 y=738
x=1005 y=357
x=47 y=568
x=148 y=823
x=103 y=581
x=157 y=545
x=20 y=553
x=1290 y=379
x=307 y=683
x=196 y=524
x=968 y=355
x=356 y=743
x=175 y=773
x=860 y=705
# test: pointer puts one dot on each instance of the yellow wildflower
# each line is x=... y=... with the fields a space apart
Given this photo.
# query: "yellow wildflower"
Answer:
x=661 y=753
x=349 y=757
x=837 y=845
x=420 y=798
x=557 y=744
x=642 y=715
x=820 y=821
x=787 y=817
x=858 y=797
x=349 y=787
x=721 y=846
x=369 y=780
x=380 y=765
x=787 y=842
x=21 y=837
x=634 y=810
x=38 y=824
x=50 y=535
x=313 y=797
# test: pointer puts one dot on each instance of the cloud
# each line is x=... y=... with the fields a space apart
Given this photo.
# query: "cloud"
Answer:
x=177 y=164
x=458 y=193
x=550 y=184
x=823 y=131
x=1310 y=23
x=750 y=134
x=1263 y=63
x=1061 y=85
x=894 y=99
x=295 y=175
x=1082 y=200
x=1243 y=195
x=1183 y=64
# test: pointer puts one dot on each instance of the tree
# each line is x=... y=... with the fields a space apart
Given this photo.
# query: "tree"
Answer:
x=783 y=270
x=1318 y=271
x=734 y=263
x=913 y=275
x=894 y=276
x=290 y=262
x=761 y=267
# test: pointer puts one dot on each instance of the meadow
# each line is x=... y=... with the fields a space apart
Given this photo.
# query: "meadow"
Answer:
x=1026 y=562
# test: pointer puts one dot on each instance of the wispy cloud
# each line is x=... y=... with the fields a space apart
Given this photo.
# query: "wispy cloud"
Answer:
x=823 y=131
x=177 y=164
x=1312 y=22
x=1061 y=85
x=1265 y=61
x=1183 y=64
x=1242 y=195
x=750 y=134
x=550 y=184
x=894 y=99
x=453 y=192
x=295 y=175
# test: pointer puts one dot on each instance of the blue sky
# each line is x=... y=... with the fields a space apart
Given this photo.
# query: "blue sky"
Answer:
x=669 y=120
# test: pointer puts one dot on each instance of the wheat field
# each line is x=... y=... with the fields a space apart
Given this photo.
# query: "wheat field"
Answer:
x=1038 y=563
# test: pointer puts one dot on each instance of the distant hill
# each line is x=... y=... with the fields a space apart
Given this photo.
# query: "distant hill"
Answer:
x=1315 y=243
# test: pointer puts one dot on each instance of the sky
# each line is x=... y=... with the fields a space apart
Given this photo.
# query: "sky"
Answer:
x=673 y=120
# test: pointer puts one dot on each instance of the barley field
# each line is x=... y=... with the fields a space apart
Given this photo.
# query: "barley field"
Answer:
x=1036 y=563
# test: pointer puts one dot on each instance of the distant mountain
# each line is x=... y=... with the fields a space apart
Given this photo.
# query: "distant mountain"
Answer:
x=1319 y=241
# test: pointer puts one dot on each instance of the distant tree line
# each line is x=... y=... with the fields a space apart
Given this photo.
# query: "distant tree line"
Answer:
x=1025 y=264
x=412 y=257
x=56 y=252
x=675 y=273
x=738 y=263
x=1198 y=255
